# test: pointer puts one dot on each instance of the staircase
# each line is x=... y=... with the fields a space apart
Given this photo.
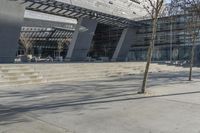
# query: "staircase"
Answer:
x=84 y=71
x=96 y=71
x=11 y=75
x=20 y=74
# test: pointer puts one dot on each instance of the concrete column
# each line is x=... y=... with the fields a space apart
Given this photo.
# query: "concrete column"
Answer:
x=81 y=40
x=11 y=20
x=197 y=56
x=126 y=40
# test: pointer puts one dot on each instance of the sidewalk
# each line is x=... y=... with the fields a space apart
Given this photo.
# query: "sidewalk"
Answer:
x=103 y=107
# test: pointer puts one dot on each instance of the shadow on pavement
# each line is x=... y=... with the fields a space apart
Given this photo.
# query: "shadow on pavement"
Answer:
x=77 y=97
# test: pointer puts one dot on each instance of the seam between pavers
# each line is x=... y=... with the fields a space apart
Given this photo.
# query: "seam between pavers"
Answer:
x=31 y=115
x=165 y=99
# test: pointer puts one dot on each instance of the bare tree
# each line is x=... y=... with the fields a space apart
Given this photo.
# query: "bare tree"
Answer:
x=26 y=43
x=153 y=8
x=171 y=12
x=192 y=8
x=61 y=45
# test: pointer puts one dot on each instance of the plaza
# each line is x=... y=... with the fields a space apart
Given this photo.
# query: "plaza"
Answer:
x=106 y=105
x=99 y=66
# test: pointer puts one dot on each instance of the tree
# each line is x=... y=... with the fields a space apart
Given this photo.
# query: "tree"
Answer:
x=61 y=45
x=154 y=9
x=25 y=43
x=171 y=11
x=193 y=32
x=192 y=8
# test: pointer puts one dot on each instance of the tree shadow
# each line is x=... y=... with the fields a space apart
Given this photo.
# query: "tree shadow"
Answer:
x=62 y=97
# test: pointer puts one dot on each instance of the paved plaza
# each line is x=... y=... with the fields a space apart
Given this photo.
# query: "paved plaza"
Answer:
x=76 y=66
x=171 y=105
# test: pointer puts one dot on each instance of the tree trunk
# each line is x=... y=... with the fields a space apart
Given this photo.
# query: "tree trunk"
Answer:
x=59 y=53
x=192 y=60
x=149 y=56
x=171 y=42
x=25 y=52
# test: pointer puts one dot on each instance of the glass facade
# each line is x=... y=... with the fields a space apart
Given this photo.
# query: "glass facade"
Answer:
x=172 y=40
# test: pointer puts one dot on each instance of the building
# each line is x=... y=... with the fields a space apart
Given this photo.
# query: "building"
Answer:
x=173 y=42
x=86 y=15
x=77 y=29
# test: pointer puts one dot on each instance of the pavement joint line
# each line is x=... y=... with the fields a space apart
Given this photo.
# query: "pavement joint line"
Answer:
x=165 y=99
x=31 y=115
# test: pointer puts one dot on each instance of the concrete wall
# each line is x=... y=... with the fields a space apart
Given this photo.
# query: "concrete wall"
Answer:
x=81 y=40
x=197 y=56
x=127 y=38
x=11 y=19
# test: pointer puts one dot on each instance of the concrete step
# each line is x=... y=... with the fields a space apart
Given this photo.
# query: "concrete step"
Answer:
x=37 y=73
x=75 y=76
x=24 y=82
x=13 y=66
x=19 y=75
x=53 y=71
x=16 y=70
x=75 y=79
x=84 y=74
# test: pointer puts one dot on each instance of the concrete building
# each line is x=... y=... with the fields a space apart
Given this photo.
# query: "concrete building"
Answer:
x=11 y=15
x=85 y=15
x=77 y=29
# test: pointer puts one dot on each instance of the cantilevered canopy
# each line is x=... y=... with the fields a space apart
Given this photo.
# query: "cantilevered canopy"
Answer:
x=71 y=11
x=45 y=37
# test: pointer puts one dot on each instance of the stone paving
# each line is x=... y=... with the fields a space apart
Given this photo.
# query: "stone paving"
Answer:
x=171 y=105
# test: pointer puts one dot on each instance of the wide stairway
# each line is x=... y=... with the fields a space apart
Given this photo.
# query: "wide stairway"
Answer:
x=20 y=74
